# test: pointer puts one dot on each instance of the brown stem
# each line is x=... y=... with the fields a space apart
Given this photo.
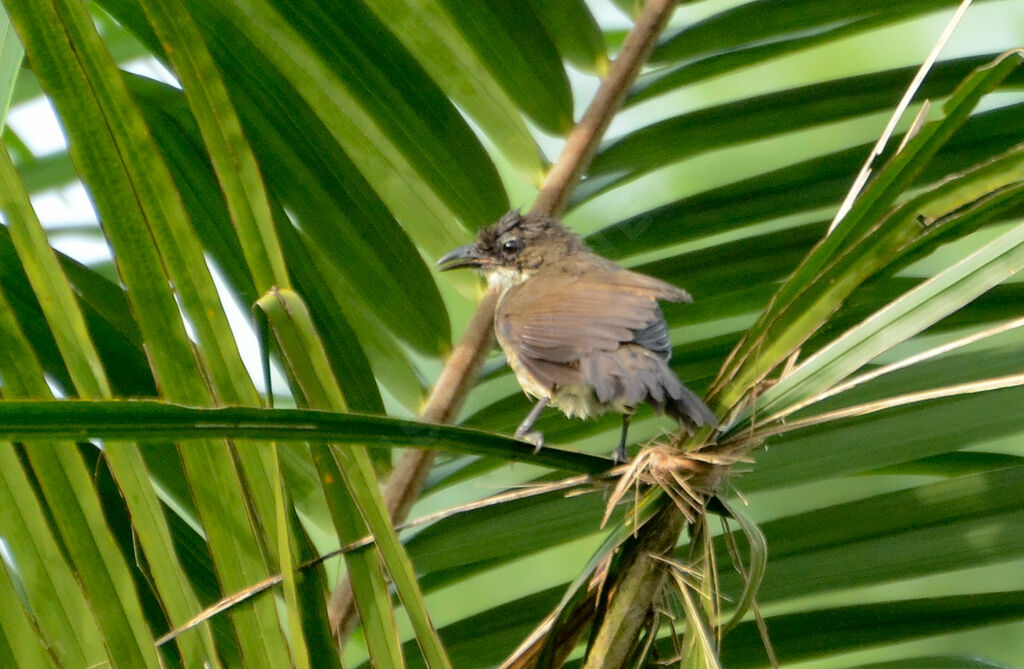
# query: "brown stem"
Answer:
x=410 y=473
x=582 y=142
x=460 y=371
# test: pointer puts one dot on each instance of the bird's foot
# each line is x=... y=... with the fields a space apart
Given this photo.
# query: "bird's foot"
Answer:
x=532 y=436
x=620 y=456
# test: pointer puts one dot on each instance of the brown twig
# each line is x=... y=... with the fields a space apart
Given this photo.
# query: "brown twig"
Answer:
x=582 y=142
x=410 y=473
x=460 y=371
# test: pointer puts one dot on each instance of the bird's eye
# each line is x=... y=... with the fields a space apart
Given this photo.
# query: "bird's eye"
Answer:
x=511 y=247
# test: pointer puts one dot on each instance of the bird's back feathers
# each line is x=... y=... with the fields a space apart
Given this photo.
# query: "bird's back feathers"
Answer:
x=585 y=322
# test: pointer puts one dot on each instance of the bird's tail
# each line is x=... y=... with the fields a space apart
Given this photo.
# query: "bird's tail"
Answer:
x=633 y=374
x=683 y=404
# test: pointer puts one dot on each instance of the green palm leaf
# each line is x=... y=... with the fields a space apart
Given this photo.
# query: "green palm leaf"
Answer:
x=314 y=158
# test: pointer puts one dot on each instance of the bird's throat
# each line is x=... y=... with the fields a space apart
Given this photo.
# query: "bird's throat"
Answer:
x=503 y=278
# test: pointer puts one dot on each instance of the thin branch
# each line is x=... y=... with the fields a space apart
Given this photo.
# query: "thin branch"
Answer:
x=582 y=142
x=410 y=473
x=460 y=371
x=897 y=114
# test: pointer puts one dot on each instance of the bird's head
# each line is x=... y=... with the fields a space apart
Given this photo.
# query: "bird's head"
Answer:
x=512 y=249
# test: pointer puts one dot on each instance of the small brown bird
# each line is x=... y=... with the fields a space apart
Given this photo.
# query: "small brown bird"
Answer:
x=580 y=332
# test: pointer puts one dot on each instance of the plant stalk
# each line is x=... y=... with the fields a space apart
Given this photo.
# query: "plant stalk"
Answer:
x=640 y=581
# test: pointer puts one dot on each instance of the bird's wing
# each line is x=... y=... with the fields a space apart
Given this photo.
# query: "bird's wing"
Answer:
x=561 y=317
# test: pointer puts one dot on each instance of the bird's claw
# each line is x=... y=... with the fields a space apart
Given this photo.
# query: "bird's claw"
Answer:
x=620 y=456
x=534 y=437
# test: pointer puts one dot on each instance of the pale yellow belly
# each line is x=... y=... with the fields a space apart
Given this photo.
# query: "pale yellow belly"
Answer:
x=575 y=401
x=580 y=401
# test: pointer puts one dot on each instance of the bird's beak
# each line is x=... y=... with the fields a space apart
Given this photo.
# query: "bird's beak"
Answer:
x=464 y=256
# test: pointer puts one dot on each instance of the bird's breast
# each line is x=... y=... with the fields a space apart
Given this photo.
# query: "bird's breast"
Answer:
x=530 y=385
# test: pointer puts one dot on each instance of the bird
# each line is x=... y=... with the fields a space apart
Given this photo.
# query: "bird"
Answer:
x=580 y=332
